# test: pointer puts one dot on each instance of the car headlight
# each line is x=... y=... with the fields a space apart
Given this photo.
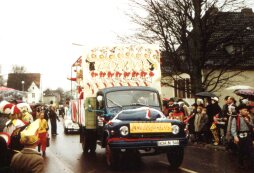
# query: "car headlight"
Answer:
x=124 y=130
x=175 y=129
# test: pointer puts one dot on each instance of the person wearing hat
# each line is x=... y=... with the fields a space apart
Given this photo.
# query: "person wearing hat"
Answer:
x=14 y=122
x=241 y=128
x=28 y=159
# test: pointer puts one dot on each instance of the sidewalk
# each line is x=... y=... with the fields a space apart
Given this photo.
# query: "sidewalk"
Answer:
x=207 y=146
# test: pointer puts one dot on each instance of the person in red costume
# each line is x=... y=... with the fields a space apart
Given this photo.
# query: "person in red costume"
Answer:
x=177 y=114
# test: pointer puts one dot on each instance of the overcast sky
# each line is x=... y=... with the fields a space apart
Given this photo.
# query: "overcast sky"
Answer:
x=38 y=34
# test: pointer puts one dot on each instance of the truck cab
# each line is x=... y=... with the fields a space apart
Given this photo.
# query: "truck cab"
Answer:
x=129 y=119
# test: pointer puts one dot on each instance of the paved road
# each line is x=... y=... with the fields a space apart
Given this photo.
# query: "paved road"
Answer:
x=65 y=156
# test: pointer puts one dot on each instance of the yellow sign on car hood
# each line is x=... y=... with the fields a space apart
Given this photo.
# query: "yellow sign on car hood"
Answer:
x=150 y=127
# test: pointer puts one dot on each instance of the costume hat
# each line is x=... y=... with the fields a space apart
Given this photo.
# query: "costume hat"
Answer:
x=15 y=110
x=215 y=99
x=29 y=140
x=29 y=136
x=7 y=108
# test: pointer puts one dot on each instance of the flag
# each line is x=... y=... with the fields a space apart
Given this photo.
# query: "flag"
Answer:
x=148 y=114
x=78 y=62
x=72 y=78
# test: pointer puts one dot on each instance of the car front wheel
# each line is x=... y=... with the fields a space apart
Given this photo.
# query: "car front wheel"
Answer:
x=175 y=157
x=112 y=157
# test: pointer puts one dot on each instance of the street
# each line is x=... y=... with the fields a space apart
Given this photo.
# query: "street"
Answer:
x=65 y=155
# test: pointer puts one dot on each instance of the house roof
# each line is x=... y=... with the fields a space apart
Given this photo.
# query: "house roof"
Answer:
x=235 y=29
x=15 y=80
x=229 y=29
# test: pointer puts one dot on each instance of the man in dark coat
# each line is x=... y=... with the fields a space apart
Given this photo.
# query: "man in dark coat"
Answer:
x=53 y=118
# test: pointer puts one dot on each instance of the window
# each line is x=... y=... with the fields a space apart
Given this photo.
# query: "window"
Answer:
x=33 y=95
x=183 y=88
x=130 y=97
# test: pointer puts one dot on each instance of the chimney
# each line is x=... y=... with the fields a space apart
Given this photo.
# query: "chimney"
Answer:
x=247 y=11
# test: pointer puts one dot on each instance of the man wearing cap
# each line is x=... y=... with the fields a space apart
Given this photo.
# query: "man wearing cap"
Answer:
x=28 y=159
x=241 y=128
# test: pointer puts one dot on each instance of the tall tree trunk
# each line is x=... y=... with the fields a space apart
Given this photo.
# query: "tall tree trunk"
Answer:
x=196 y=81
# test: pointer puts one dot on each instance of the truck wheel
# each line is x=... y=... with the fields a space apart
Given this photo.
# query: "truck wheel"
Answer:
x=85 y=145
x=175 y=157
x=112 y=157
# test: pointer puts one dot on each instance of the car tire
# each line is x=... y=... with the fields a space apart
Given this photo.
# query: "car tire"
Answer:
x=112 y=158
x=175 y=157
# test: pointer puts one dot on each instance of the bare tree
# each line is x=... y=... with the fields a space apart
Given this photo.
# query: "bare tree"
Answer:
x=189 y=34
x=18 y=69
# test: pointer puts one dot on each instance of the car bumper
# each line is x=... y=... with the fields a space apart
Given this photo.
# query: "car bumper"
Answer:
x=125 y=143
x=72 y=126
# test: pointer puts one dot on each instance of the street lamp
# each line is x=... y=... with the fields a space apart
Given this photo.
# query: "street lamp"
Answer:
x=23 y=84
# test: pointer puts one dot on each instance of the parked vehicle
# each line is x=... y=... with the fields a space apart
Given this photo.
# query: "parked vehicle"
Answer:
x=69 y=125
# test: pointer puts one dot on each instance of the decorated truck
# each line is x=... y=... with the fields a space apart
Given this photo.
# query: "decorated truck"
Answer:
x=119 y=104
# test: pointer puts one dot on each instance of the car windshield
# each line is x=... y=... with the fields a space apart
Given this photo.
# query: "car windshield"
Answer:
x=132 y=98
x=140 y=114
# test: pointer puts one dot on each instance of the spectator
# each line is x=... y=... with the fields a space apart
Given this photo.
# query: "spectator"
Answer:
x=215 y=127
x=165 y=106
x=224 y=115
x=199 y=123
x=241 y=129
x=5 y=154
x=177 y=113
x=213 y=109
x=170 y=106
x=232 y=111
x=46 y=113
x=183 y=107
x=53 y=118
x=28 y=160
x=190 y=121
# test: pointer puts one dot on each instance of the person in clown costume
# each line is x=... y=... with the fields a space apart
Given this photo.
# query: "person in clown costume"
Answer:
x=26 y=117
x=14 y=122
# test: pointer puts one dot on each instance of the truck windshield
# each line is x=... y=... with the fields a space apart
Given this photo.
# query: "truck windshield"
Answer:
x=132 y=98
